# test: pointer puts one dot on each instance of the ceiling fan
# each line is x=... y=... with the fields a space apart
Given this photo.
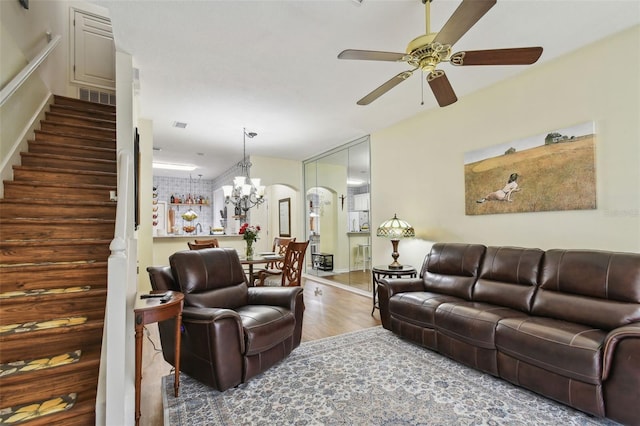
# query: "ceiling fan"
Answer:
x=427 y=51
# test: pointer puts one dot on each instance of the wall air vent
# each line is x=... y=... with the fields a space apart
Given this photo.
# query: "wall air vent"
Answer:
x=96 y=96
x=179 y=124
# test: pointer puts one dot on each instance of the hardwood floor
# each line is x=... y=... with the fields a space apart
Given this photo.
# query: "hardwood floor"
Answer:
x=329 y=311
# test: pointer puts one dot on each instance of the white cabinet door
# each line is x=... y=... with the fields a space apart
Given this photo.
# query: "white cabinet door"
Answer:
x=361 y=202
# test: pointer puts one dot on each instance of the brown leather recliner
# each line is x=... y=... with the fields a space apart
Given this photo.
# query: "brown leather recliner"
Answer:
x=230 y=332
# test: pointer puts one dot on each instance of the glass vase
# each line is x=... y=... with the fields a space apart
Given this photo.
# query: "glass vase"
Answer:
x=249 y=251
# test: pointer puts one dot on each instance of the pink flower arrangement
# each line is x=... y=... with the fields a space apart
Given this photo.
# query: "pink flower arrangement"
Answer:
x=249 y=233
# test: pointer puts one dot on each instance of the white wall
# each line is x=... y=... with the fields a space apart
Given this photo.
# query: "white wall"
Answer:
x=592 y=84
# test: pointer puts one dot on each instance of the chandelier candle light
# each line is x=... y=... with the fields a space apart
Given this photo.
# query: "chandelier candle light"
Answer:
x=245 y=192
x=395 y=229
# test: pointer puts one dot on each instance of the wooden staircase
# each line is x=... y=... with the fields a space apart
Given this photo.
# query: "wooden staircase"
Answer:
x=56 y=224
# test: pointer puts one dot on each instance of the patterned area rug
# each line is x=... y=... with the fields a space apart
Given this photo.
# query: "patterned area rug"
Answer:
x=368 y=377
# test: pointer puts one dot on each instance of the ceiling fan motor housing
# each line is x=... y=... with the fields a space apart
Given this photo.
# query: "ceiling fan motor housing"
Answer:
x=425 y=54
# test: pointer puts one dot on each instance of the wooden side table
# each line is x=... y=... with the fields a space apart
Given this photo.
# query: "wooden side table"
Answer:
x=152 y=310
x=383 y=271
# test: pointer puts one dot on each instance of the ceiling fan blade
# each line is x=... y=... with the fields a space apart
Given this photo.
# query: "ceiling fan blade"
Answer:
x=371 y=55
x=441 y=88
x=466 y=15
x=385 y=87
x=516 y=56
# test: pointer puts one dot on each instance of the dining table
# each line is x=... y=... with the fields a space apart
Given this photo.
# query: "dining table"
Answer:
x=257 y=260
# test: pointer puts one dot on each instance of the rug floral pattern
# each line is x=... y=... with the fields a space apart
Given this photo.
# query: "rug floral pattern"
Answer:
x=368 y=377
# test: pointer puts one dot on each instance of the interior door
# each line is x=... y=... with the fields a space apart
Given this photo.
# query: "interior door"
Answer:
x=94 y=53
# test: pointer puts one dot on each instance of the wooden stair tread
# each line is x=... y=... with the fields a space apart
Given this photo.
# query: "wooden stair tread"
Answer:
x=80 y=127
x=74 y=109
x=55 y=221
x=89 y=325
x=59 y=170
x=46 y=202
x=26 y=243
x=65 y=100
x=98 y=121
x=57 y=185
x=82 y=414
x=89 y=138
x=61 y=265
x=67 y=157
x=77 y=147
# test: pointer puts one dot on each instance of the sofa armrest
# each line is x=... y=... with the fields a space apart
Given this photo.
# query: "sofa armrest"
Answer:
x=401 y=285
x=612 y=340
x=387 y=287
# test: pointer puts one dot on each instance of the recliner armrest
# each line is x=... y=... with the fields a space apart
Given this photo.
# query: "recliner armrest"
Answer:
x=190 y=313
x=611 y=341
x=276 y=296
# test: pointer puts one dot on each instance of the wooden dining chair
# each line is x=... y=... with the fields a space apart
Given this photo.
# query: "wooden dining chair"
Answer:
x=291 y=273
x=280 y=248
x=200 y=246
x=213 y=241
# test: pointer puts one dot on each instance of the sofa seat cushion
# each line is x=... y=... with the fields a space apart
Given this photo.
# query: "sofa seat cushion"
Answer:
x=418 y=307
x=265 y=326
x=568 y=349
x=472 y=322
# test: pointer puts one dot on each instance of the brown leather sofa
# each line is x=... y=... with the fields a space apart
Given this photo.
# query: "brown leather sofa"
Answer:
x=230 y=332
x=562 y=323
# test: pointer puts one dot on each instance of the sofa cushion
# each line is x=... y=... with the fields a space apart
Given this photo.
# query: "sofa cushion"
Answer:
x=472 y=322
x=596 y=288
x=418 y=307
x=265 y=326
x=508 y=277
x=568 y=349
x=452 y=268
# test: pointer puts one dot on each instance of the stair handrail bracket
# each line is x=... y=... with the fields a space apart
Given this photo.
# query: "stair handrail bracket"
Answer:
x=17 y=81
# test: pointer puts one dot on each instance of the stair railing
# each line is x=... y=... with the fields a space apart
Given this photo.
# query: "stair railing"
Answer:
x=115 y=390
x=33 y=64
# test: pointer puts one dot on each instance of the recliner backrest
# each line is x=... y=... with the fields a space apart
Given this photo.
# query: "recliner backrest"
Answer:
x=162 y=279
x=509 y=277
x=596 y=288
x=452 y=268
x=210 y=277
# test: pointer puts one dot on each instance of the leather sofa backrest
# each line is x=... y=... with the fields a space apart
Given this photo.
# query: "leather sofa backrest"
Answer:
x=210 y=278
x=452 y=268
x=508 y=277
x=596 y=288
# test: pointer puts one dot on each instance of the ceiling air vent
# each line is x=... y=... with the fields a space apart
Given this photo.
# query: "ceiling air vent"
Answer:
x=179 y=124
x=97 y=96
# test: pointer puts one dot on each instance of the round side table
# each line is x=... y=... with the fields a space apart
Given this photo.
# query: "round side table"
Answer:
x=383 y=271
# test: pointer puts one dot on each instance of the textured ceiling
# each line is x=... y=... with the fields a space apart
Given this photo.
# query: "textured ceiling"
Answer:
x=271 y=66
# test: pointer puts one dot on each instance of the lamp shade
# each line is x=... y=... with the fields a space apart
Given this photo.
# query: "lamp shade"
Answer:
x=396 y=228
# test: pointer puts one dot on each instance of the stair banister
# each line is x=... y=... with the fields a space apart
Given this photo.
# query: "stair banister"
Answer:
x=111 y=404
x=22 y=76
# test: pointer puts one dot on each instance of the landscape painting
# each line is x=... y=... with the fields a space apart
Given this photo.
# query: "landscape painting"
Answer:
x=551 y=171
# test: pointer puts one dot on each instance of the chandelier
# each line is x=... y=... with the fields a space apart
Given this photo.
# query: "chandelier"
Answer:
x=246 y=192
